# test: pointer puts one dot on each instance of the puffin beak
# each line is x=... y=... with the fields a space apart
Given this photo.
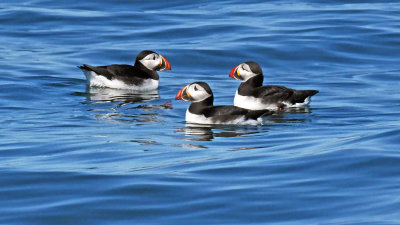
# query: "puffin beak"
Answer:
x=183 y=94
x=235 y=74
x=164 y=64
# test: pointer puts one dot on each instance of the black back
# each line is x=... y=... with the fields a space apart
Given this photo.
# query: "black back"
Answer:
x=271 y=94
x=135 y=74
x=223 y=113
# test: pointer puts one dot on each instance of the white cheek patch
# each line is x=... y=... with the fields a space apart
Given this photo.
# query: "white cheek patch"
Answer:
x=150 y=63
x=245 y=74
x=198 y=95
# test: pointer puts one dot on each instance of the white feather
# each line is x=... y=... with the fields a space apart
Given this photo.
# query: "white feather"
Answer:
x=151 y=61
x=298 y=104
x=249 y=102
x=198 y=94
x=95 y=80
x=201 y=119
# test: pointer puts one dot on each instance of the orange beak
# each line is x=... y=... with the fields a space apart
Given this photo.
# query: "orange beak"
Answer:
x=164 y=64
x=184 y=95
x=179 y=95
x=234 y=73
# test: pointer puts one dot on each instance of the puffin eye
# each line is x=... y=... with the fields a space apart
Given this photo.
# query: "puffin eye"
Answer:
x=154 y=57
x=195 y=88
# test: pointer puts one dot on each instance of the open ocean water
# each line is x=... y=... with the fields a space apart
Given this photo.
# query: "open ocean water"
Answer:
x=70 y=154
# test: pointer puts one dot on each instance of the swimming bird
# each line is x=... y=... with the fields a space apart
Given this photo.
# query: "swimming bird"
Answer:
x=142 y=76
x=251 y=93
x=202 y=110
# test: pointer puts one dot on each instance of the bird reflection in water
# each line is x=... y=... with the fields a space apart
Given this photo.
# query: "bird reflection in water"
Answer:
x=289 y=116
x=124 y=104
x=202 y=132
x=120 y=95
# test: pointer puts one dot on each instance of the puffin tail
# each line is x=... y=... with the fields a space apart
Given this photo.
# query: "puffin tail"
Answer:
x=303 y=96
x=85 y=67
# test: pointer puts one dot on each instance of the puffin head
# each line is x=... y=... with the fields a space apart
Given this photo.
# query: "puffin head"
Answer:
x=195 y=92
x=246 y=71
x=153 y=61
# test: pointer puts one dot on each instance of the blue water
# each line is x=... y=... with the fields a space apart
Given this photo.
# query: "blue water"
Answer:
x=76 y=155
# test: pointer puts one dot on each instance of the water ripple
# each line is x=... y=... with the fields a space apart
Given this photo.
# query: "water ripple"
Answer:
x=115 y=156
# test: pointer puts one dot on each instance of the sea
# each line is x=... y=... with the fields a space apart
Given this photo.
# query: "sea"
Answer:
x=73 y=154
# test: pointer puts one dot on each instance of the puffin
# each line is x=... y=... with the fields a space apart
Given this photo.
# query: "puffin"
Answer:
x=252 y=94
x=202 y=110
x=142 y=76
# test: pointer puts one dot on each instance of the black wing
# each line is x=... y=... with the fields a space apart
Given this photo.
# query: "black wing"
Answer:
x=228 y=112
x=224 y=110
x=126 y=73
x=274 y=93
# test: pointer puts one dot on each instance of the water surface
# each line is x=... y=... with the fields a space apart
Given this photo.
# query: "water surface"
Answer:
x=77 y=155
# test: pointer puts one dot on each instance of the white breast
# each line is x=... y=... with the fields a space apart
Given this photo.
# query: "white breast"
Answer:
x=100 y=81
x=249 y=102
x=201 y=119
x=194 y=118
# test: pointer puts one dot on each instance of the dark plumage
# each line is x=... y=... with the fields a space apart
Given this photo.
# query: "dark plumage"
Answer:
x=128 y=74
x=146 y=65
x=252 y=94
x=273 y=94
x=223 y=114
